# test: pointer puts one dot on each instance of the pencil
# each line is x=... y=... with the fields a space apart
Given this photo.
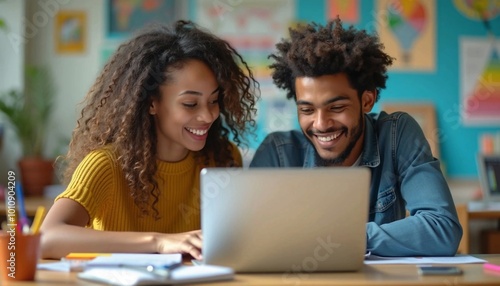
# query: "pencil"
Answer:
x=37 y=221
x=85 y=255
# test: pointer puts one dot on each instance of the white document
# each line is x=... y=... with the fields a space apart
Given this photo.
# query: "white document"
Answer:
x=457 y=259
x=59 y=266
x=114 y=260
x=135 y=259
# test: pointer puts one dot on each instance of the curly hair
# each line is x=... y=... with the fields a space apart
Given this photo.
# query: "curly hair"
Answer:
x=314 y=50
x=115 y=110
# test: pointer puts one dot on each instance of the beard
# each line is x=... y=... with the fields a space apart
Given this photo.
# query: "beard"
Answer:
x=355 y=134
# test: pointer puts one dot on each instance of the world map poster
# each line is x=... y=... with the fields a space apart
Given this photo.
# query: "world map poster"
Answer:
x=128 y=16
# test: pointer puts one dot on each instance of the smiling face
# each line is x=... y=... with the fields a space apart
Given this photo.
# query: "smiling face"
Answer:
x=187 y=107
x=331 y=116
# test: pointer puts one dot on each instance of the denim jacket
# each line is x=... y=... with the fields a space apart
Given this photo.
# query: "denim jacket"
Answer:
x=404 y=177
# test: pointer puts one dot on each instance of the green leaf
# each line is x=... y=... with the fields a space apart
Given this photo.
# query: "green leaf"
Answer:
x=29 y=111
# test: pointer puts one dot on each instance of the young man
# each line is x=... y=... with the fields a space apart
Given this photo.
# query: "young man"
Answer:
x=335 y=76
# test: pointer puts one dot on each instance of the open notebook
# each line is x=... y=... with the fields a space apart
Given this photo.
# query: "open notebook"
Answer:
x=140 y=269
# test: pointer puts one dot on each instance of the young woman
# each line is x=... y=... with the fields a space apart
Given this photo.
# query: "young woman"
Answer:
x=163 y=108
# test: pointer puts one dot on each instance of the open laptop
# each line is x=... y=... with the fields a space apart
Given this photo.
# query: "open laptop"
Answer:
x=285 y=220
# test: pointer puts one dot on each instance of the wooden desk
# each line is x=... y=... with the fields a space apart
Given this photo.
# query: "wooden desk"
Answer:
x=489 y=238
x=369 y=275
x=465 y=215
x=484 y=214
x=489 y=243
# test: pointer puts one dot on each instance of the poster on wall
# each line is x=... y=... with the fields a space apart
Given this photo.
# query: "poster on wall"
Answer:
x=407 y=29
x=480 y=66
x=478 y=9
x=347 y=10
x=127 y=16
x=70 y=32
x=480 y=81
x=253 y=28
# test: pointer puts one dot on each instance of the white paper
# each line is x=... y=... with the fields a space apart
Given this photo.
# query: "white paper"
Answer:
x=135 y=259
x=60 y=266
x=115 y=259
x=457 y=259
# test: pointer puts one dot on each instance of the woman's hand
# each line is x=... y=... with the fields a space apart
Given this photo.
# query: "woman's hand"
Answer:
x=64 y=232
x=185 y=242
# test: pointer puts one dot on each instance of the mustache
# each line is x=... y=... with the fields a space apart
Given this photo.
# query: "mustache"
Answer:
x=313 y=131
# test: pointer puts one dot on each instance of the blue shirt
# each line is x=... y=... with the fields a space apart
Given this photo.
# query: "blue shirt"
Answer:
x=404 y=176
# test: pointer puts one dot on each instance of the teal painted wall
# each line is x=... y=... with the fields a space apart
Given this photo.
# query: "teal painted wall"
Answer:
x=459 y=144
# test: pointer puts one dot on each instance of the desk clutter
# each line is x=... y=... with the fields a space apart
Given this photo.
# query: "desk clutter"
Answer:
x=138 y=269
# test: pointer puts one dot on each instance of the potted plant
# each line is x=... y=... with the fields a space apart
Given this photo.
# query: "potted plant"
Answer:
x=28 y=112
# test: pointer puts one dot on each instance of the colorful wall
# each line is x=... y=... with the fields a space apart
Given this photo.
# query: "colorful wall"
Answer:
x=452 y=52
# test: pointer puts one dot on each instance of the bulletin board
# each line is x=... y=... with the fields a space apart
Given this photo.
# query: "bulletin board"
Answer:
x=253 y=28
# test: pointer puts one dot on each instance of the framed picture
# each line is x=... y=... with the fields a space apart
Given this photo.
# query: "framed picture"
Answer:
x=425 y=115
x=70 y=31
x=125 y=16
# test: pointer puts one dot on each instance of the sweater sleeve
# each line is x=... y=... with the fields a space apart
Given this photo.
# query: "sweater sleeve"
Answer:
x=92 y=181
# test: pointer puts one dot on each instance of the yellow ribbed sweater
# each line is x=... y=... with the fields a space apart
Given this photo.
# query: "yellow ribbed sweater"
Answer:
x=99 y=185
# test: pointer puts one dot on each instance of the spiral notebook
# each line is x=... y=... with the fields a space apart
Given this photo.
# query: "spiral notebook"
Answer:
x=139 y=269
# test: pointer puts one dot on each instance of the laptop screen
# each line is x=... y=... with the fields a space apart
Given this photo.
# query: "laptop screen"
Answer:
x=285 y=219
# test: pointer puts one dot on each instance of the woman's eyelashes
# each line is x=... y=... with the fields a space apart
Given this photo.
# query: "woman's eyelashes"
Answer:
x=189 y=105
x=193 y=104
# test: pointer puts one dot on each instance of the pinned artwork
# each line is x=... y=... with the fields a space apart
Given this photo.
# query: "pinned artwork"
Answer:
x=70 y=32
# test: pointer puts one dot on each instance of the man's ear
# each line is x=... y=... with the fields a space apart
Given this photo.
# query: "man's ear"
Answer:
x=368 y=100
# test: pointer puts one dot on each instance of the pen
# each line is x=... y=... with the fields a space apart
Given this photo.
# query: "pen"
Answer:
x=37 y=221
x=23 y=217
x=491 y=266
